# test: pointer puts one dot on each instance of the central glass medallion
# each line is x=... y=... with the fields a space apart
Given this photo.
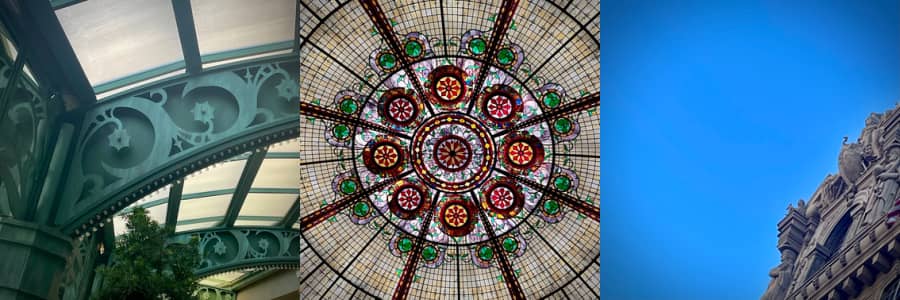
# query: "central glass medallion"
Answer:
x=452 y=152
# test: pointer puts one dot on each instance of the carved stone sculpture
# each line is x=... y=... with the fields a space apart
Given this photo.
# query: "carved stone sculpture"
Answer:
x=792 y=232
x=812 y=217
x=850 y=162
x=887 y=176
x=871 y=137
x=801 y=206
x=825 y=242
x=781 y=276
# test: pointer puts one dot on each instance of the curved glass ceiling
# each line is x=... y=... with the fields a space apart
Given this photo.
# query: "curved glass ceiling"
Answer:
x=123 y=45
x=205 y=196
x=116 y=38
x=224 y=25
x=123 y=42
x=441 y=161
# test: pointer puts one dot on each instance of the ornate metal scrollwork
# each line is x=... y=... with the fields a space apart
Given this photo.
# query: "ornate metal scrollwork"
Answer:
x=134 y=143
x=24 y=121
x=240 y=248
x=212 y=293
x=77 y=277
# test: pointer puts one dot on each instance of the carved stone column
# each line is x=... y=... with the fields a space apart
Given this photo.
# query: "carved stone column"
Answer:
x=792 y=229
x=791 y=232
x=33 y=260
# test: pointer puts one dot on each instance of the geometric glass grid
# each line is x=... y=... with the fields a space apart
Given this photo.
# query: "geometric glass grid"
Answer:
x=438 y=161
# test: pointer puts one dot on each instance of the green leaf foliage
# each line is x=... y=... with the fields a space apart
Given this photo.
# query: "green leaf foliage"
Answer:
x=146 y=267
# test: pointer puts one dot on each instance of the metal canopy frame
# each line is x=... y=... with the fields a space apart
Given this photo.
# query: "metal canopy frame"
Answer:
x=193 y=61
x=211 y=152
x=199 y=157
x=44 y=50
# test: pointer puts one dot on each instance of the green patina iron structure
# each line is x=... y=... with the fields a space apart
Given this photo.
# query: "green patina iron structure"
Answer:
x=68 y=163
x=230 y=248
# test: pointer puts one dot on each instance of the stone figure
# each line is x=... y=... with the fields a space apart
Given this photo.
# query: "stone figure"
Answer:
x=871 y=137
x=824 y=189
x=781 y=276
x=850 y=162
x=887 y=176
x=836 y=187
x=801 y=207
x=812 y=214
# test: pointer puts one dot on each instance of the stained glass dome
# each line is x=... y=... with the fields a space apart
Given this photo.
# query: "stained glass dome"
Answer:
x=449 y=149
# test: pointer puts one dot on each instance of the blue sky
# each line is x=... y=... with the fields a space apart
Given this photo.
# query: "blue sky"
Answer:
x=716 y=115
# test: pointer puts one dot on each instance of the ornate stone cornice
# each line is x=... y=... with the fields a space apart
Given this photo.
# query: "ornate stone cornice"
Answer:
x=855 y=266
x=792 y=229
x=890 y=122
x=840 y=272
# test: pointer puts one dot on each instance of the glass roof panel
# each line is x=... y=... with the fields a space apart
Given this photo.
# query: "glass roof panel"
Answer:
x=242 y=222
x=6 y=47
x=263 y=204
x=216 y=63
x=203 y=208
x=116 y=38
x=156 y=204
x=119 y=225
x=157 y=213
x=28 y=74
x=278 y=173
x=194 y=226
x=224 y=25
x=223 y=176
x=139 y=84
x=583 y=9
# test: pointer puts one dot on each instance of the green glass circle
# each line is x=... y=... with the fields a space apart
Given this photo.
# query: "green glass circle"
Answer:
x=510 y=244
x=477 y=46
x=413 y=48
x=551 y=207
x=485 y=253
x=348 y=186
x=429 y=253
x=348 y=106
x=405 y=245
x=341 y=131
x=551 y=99
x=505 y=56
x=562 y=183
x=361 y=209
x=562 y=125
x=387 y=60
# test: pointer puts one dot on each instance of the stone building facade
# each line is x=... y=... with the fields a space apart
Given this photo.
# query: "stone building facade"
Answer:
x=838 y=244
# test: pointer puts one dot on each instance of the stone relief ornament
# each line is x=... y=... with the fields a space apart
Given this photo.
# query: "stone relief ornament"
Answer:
x=850 y=162
x=781 y=276
x=887 y=176
x=836 y=186
x=867 y=185
x=812 y=214
x=793 y=234
x=871 y=138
